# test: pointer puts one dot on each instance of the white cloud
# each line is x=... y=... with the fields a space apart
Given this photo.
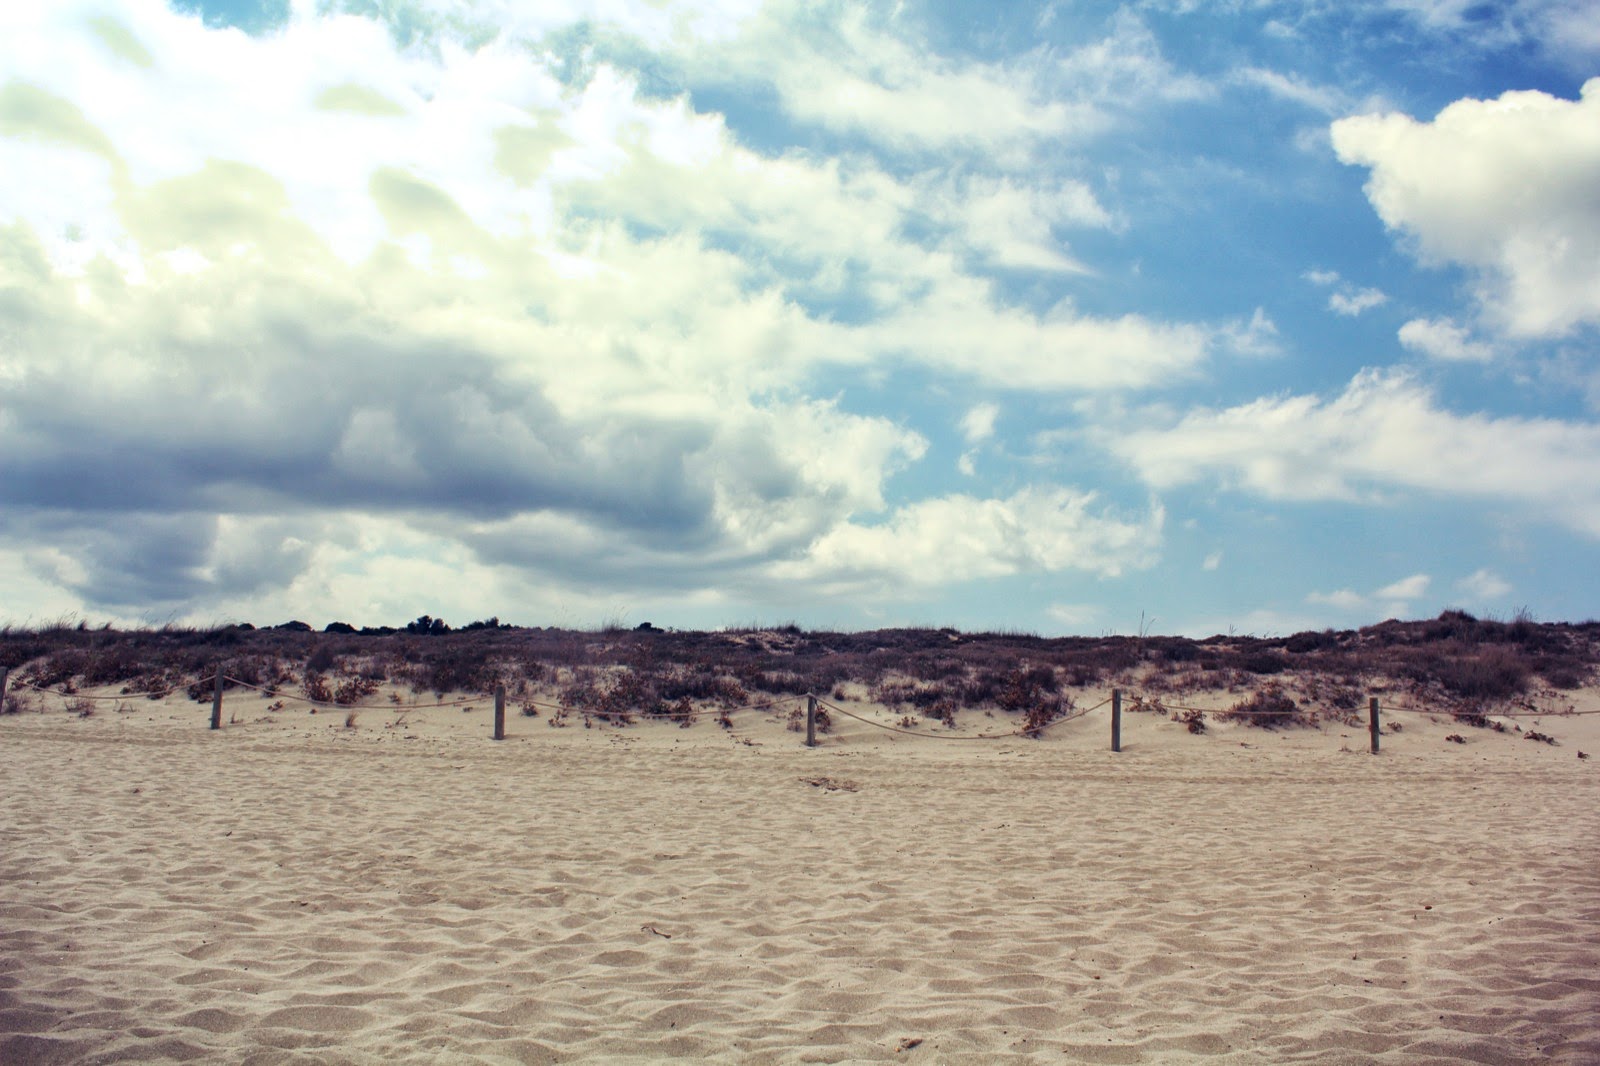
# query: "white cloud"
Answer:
x=962 y=538
x=1408 y=588
x=1353 y=302
x=1295 y=89
x=1347 y=300
x=1011 y=224
x=1256 y=337
x=1073 y=615
x=848 y=70
x=1564 y=27
x=1393 y=599
x=1212 y=561
x=856 y=70
x=509 y=314
x=1483 y=585
x=978 y=423
x=1504 y=187
x=1342 y=599
x=1440 y=338
x=1384 y=432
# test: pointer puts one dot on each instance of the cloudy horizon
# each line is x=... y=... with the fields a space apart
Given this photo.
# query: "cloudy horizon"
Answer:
x=1072 y=318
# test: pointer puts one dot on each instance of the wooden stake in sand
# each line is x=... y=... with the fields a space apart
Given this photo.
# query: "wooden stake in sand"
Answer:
x=811 y=721
x=1372 y=722
x=499 y=712
x=1116 y=719
x=216 y=700
x=4 y=673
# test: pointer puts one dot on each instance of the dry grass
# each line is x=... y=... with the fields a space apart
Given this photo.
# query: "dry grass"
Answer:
x=1462 y=664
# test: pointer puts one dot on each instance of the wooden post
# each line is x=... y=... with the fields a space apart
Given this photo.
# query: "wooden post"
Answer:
x=499 y=712
x=1116 y=719
x=4 y=673
x=1372 y=722
x=811 y=721
x=216 y=700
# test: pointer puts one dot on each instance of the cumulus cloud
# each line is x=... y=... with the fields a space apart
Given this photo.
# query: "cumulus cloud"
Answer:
x=1347 y=300
x=1394 y=599
x=978 y=423
x=1484 y=585
x=1440 y=338
x=1407 y=588
x=1503 y=187
x=1385 y=432
x=313 y=280
x=1342 y=599
x=964 y=538
x=1356 y=301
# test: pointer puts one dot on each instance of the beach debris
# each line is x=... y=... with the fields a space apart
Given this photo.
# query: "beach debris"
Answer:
x=908 y=1043
x=1583 y=755
x=829 y=784
x=1456 y=738
x=1543 y=738
x=657 y=932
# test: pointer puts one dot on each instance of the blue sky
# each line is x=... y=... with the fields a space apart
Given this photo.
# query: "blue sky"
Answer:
x=1065 y=317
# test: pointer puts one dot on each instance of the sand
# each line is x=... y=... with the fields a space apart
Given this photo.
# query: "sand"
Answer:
x=288 y=890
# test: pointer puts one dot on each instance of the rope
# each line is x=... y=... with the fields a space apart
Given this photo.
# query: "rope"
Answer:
x=1382 y=707
x=545 y=704
x=1468 y=713
x=74 y=695
x=946 y=736
x=349 y=706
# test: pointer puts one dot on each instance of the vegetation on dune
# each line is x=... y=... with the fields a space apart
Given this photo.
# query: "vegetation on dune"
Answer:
x=1456 y=662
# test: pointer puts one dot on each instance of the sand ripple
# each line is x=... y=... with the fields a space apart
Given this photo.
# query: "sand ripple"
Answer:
x=221 y=898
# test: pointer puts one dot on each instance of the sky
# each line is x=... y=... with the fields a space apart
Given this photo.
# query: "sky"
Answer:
x=1170 y=316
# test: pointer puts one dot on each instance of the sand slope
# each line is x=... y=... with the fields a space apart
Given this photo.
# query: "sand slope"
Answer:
x=285 y=892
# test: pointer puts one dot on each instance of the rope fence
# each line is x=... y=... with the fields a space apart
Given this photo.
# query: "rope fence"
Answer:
x=1075 y=714
x=1140 y=703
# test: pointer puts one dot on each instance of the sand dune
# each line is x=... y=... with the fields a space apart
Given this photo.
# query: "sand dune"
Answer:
x=287 y=890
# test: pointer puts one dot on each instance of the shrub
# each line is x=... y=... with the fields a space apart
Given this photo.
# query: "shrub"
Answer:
x=58 y=668
x=455 y=667
x=779 y=682
x=701 y=681
x=1565 y=674
x=316 y=688
x=1268 y=709
x=353 y=690
x=680 y=711
x=1264 y=662
x=1492 y=673
x=1047 y=709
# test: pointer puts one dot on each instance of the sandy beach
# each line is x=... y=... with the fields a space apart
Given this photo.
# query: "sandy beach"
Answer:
x=292 y=890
